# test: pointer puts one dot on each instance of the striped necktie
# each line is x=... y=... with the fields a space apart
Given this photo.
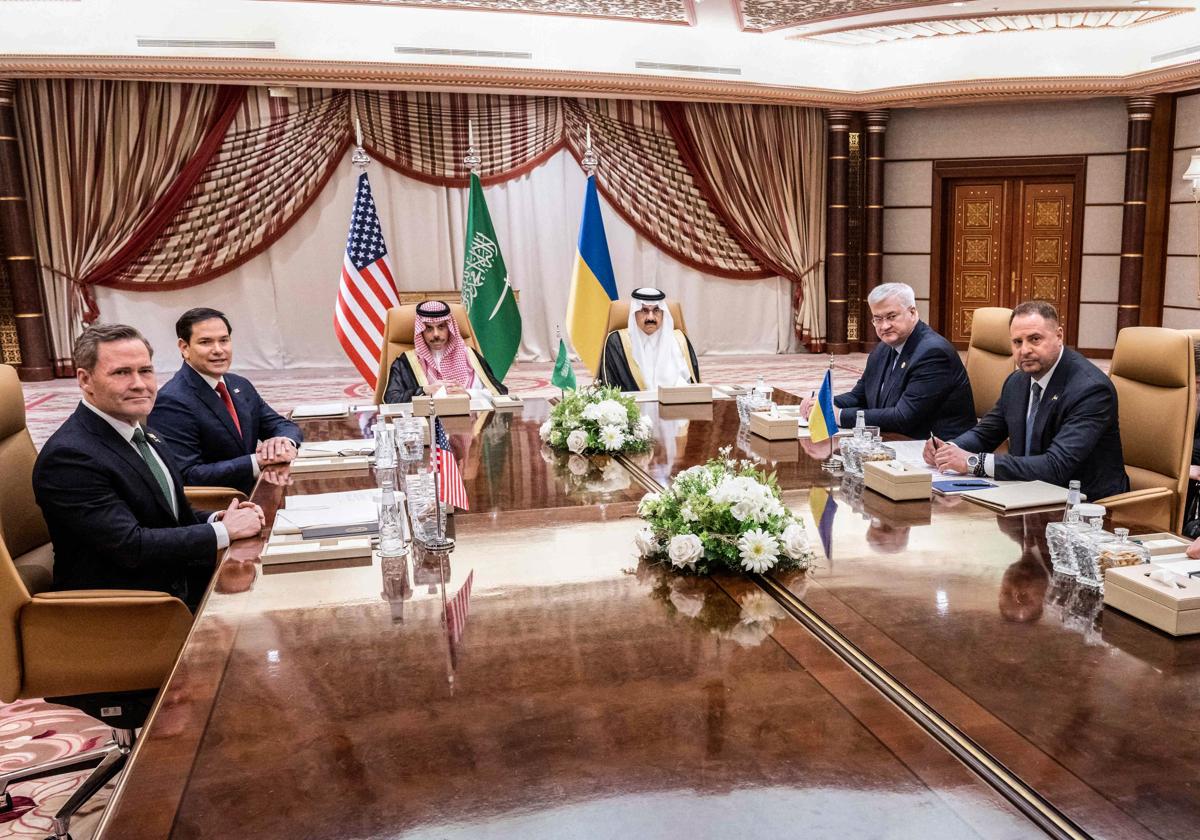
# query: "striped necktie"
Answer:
x=164 y=483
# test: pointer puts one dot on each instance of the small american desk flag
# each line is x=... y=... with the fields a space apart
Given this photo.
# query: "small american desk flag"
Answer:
x=457 y=609
x=367 y=290
x=450 y=484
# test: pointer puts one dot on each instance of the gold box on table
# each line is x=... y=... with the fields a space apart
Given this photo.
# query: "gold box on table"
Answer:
x=1172 y=606
x=774 y=426
x=899 y=482
x=681 y=394
x=446 y=406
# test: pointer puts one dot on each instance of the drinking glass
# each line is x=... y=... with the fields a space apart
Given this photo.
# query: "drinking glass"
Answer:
x=410 y=437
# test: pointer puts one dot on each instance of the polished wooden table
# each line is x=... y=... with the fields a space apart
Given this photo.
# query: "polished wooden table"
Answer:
x=589 y=695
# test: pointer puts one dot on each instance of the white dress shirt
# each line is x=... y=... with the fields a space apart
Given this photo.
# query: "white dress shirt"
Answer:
x=126 y=430
x=1043 y=381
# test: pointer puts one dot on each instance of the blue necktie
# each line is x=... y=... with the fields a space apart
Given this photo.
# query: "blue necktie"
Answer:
x=1034 y=401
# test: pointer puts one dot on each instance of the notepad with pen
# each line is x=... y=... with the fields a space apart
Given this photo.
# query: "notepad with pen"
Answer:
x=950 y=486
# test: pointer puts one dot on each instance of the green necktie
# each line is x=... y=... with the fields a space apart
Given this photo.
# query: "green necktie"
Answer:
x=164 y=483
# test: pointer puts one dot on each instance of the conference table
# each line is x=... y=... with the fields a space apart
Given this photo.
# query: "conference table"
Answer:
x=924 y=680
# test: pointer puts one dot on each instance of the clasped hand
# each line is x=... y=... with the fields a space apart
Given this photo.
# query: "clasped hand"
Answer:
x=242 y=519
x=276 y=450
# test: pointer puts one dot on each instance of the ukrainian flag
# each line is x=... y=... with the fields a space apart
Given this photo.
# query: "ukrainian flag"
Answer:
x=822 y=422
x=824 y=508
x=593 y=286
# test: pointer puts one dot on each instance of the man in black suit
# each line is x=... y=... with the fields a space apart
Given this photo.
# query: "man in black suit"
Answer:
x=221 y=432
x=914 y=382
x=1057 y=411
x=110 y=492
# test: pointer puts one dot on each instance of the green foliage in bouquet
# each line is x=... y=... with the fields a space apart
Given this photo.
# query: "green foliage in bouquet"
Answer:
x=598 y=420
x=723 y=516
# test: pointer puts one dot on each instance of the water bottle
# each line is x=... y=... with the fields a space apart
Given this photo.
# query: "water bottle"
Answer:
x=385 y=446
x=1074 y=497
x=391 y=528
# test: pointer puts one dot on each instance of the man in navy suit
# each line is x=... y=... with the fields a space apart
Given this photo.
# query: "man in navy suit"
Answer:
x=1057 y=411
x=914 y=382
x=110 y=491
x=219 y=429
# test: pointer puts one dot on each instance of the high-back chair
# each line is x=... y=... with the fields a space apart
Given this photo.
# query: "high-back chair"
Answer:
x=1154 y=372
x=104 y=651
x=618 y=319
x=989 y=356
x=398 y=338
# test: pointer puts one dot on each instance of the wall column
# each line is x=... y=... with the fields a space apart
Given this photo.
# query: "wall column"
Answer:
x=838 y=125
x=873 y=218
x=1133 y=227
x=16 y=237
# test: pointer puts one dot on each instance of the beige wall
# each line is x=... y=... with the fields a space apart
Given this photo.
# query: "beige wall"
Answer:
x=1181 y=309
x=1095 y=128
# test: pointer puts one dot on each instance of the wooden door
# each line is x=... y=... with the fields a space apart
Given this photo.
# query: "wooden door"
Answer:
x=977 y=253
x=1010 y=239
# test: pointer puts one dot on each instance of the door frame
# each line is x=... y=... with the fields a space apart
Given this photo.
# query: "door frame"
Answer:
x=946 y=172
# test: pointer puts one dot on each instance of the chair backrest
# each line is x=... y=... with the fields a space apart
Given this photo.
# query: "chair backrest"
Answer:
x=22 y=528
x=989 y=356
x=1154 y=372
x=398 y=338
x=618 y=319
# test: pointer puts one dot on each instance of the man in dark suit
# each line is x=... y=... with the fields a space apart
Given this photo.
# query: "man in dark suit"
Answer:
x=914 y=382
x=221 y=432
x=110 y=492
x=1057 y=411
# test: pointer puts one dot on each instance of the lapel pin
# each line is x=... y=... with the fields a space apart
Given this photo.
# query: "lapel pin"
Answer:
x=903 y=365
x=1052 y=399
x=237 y=390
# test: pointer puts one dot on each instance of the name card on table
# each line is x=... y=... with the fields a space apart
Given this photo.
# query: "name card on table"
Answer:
x=330 y=464
x=449 y=405
x=681 y=394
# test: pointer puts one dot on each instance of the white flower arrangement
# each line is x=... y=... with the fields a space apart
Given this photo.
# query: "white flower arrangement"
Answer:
x=723 y=516
x=596 y=421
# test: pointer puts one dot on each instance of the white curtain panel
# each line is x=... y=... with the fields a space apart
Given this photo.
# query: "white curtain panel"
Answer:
x=281 y=302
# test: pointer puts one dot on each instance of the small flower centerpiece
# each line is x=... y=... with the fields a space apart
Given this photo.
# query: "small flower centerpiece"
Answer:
x=598 y=420
x=723 y=516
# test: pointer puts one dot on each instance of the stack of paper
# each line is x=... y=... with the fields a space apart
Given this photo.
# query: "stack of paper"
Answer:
x=293 y=549
x=349 y=517
x=336 y=448
x=320 y=410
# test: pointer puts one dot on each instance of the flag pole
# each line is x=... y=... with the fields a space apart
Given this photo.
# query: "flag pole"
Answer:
x=437 y=472
x=832 y=433
x=562 y=392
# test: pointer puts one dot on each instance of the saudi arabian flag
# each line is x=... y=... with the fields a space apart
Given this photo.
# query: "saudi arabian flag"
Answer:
x=486 y=293
x=563 y=375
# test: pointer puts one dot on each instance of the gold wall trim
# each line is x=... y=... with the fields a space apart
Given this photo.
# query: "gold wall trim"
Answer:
x=29 y=315
x=527 y=80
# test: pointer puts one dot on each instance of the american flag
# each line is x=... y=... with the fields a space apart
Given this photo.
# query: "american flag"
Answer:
x=457 y=609
x=367 y=290
x=450 y=483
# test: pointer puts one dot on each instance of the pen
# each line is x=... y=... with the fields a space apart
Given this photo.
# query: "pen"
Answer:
x=934 y=441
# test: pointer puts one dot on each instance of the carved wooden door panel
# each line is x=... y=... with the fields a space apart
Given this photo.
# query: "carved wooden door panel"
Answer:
x=977 y=254
x=1043 y=266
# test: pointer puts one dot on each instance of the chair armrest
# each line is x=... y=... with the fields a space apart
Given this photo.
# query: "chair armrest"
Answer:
x=1152 y=506
x=212 y=498
x=91 y=641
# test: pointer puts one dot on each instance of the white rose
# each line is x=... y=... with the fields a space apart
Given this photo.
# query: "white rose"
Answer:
x=745 y=510
x=578 y=465
x=592 y=412
x=544 y=431
x=577 y=441
x=613 y=413
x=646 y=544
x=612 y=437
x=688 y=514
x=685 y=550
x=795 y=541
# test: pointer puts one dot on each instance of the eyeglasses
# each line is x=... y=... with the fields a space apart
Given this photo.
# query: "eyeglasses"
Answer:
x=889 y=318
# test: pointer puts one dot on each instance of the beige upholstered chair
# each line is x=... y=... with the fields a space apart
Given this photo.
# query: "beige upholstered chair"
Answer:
x=989 y=356
x=68 y=644
x=398 y=338
x=618 y=319
x=1154 y=371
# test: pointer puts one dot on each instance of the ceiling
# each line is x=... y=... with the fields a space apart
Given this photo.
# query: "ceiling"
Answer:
x=836 y=53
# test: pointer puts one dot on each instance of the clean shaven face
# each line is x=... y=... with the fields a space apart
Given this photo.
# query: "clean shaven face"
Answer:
x=648 y=318
x=893 y=321
x=1036 y=343
x=210 y=350
x=122 y=384
x=437 y=336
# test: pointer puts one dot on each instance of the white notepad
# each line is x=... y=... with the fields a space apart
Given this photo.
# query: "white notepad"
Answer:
x=1019 y=495
x=315 y=410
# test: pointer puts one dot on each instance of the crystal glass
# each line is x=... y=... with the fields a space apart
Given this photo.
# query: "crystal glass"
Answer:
x=1057 y=536
x=1082 y=545
x=391 y=526
x=385 y=446
x=410 y=437
x=874 y=450
x=1119 y=552
x=422 y=505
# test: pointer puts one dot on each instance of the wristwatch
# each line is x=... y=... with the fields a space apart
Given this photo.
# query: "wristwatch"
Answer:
x=975 y=465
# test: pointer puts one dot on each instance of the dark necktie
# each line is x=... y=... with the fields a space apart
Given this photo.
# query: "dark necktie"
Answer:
x=228 y=400
x=164 y=483
x=1034 y=401
x=888 y=367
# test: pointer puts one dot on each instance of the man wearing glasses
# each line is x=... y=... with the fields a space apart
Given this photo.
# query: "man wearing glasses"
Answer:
x=914 y=382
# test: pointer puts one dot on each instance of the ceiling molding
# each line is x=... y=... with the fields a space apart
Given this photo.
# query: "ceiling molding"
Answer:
x=774 y=15
x=262 y=71
x=627 y=11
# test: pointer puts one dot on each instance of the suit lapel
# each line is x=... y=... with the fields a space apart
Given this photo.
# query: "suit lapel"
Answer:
x=125 y=451
x=213 y=402
x=900 y=369
x=880 y=363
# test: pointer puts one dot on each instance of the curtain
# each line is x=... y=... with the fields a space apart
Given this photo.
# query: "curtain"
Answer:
x=764 y=168
x=101 y=158
x=425 y=135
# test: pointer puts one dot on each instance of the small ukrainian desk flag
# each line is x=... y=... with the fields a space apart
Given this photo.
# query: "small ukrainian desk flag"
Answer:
x=822 y=422
x=593 y=286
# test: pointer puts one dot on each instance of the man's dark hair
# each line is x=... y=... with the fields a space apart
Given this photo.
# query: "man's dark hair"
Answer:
x=86 y=351
x=1035 y=307
x=183 y=327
